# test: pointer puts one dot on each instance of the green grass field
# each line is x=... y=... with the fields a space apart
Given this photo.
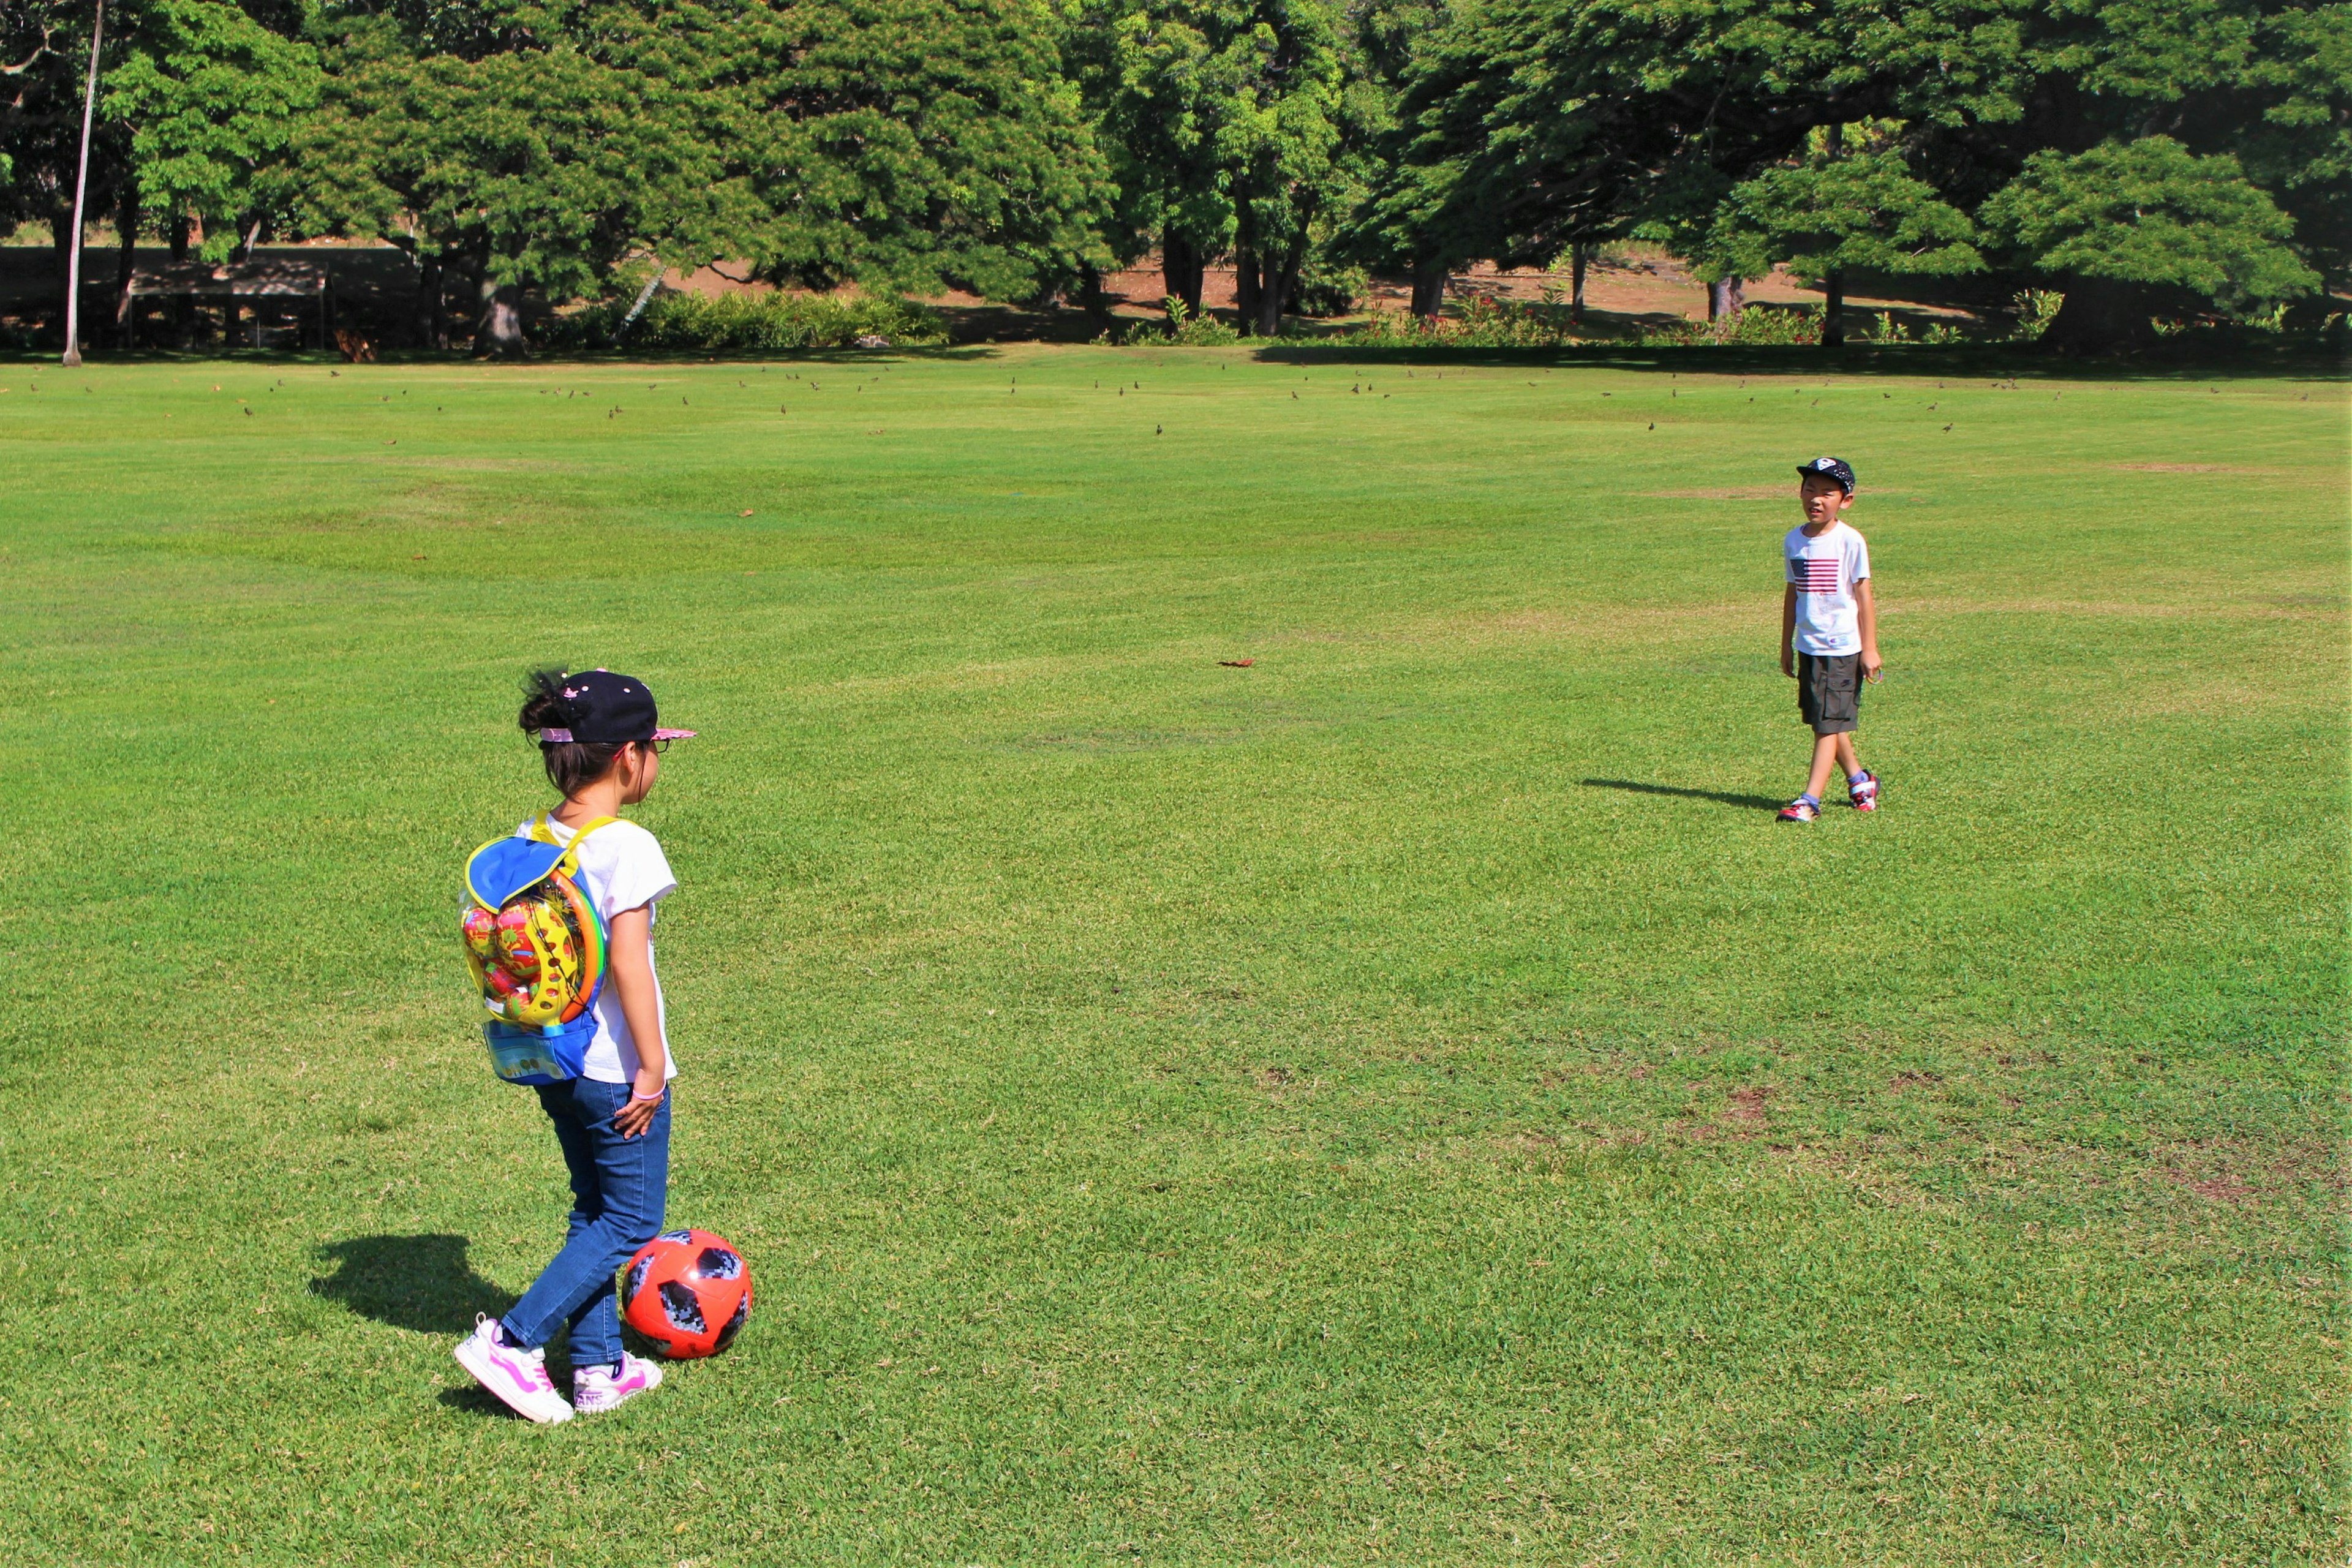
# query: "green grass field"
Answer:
x=1405 y=1101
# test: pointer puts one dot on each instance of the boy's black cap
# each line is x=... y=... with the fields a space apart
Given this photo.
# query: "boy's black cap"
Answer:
x=1835 y=468
x=609 y=709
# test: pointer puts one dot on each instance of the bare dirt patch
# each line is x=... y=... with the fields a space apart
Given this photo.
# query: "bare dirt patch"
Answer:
x=2221 y=1189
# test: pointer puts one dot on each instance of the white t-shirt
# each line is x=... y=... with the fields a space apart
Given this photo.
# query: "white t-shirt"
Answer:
x=1824 y=569
x=621 y=867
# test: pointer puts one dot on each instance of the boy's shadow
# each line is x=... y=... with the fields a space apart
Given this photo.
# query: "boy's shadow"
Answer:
x=420 y=1282
x=1760 y=801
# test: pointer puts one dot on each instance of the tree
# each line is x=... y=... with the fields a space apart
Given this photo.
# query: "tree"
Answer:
x=910 y=144
x=1234 y=125
x=529 y=166
x=210 y=100
x=1545 y=119
x=2122 y=219
x=1403 y=223
x=199 y=99
x=1832 y=212
x=519 y=148
x=46 y=47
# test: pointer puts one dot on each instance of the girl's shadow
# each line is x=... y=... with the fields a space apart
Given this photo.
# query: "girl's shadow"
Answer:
x=420 y=1282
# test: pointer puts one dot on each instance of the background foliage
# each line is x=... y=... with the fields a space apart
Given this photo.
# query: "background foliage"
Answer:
x=2137 y=158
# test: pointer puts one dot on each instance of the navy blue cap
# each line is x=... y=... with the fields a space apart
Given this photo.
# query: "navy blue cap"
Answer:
x=608 y=710
x=1835 y=468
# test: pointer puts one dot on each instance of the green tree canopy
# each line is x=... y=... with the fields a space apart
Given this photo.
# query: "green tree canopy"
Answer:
x=1234 y=126
x=1533 y=122
x=211 y=99
x=904 y=147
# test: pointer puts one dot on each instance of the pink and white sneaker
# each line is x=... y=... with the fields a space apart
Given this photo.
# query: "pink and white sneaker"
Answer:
x=595 y=1389
x=516 y=1375
x=1862 y=790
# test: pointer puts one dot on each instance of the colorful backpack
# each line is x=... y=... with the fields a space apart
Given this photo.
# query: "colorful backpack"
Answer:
x=535 y=942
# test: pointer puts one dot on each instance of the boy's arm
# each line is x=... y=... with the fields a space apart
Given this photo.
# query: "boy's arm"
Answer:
x=1871 y=667
x=1789 y=630
x=629 y=948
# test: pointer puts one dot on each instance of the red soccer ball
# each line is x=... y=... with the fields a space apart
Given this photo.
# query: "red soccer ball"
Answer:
x=689 y=1291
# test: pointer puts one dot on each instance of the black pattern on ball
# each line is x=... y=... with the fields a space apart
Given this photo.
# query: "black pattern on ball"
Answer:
x=681 y=1306
x=735 y=1323
x=719 y=1263
x=635 y=1281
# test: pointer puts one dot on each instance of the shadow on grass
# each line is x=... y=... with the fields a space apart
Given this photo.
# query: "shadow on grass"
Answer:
x=475 y=1400
x=420 y=1282
x=1753 y=802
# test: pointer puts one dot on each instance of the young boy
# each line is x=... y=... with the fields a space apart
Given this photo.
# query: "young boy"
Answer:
x=1829 y=632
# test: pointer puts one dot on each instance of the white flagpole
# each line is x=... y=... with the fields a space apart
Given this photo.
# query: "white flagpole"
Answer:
x=81 y=181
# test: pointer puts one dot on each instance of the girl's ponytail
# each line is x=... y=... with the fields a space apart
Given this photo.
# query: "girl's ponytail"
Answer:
x=570 y=764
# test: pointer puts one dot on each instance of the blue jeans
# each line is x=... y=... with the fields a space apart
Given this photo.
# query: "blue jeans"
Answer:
x=618 y=1188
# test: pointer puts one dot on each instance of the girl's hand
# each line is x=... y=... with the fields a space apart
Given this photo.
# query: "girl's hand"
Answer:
x=633 y=1118
x=1872 y=669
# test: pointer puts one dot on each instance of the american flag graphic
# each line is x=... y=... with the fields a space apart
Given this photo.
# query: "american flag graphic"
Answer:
x=1815 y=573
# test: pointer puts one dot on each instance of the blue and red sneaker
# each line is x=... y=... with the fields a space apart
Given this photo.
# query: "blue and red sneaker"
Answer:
x=1804 y=808
x=1862 y=790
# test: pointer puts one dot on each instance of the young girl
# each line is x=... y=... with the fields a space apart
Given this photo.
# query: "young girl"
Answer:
x=601 y=743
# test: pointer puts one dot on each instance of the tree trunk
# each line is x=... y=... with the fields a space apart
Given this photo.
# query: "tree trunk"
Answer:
x=1181 y=267
x=1429 y=280
x=1280 y=282
x=127 y=220
x=425 y=317
x=1833 y=309
x=499 y=330
x=1726 y=299
x=61 y=246
x=1577 y=255
x=183 y=306
x=1735 y=296
x=1261 y=285
x=1091 y=298
x=2099 y=316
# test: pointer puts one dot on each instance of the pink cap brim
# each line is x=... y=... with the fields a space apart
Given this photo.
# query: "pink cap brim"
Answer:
x=673 y=734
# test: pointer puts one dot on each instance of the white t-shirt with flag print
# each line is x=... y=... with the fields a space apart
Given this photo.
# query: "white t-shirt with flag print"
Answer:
x=1823 y=568
x=621 y=867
